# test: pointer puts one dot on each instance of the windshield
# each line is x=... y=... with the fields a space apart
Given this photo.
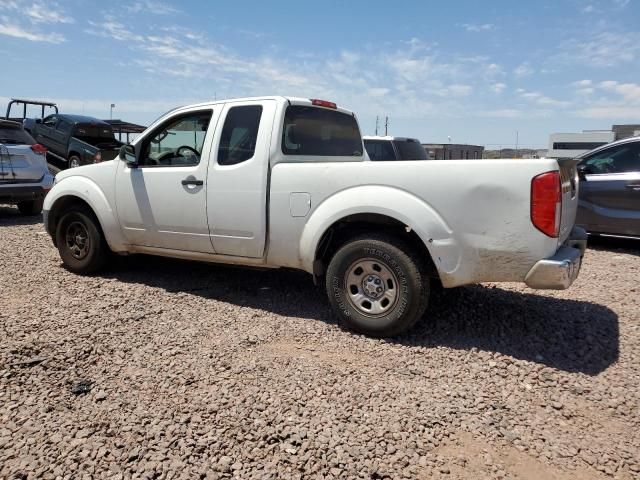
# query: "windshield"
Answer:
x=410 y=149
x=15 y=136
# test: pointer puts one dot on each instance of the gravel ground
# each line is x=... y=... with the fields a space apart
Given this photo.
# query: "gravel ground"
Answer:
x=167 y=369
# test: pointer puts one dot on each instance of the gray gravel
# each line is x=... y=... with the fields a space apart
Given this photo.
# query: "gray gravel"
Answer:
x=167 y=369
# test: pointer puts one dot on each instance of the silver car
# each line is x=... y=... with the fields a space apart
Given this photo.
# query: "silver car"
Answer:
x=610 y=189
x=24 y=176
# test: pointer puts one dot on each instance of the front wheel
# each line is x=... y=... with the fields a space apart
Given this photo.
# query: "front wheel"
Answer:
x=377 y=285
x=81 y=244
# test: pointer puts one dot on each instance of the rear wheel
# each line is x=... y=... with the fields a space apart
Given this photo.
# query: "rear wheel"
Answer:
x=31 y=207
x=377 y=285
x=74 y=161
x=81 y=244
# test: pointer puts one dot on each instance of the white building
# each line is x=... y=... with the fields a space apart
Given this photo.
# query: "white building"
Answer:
x=570 y=145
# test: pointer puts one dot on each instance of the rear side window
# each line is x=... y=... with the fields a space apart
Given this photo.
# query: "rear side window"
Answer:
x=239 y=134
x=380 y=150
x=64 y=126
x=411 y=150
x=320 y=132
x=10 y=135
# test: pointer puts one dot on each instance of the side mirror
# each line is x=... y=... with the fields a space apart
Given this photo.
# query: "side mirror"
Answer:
x=38 y=120
x=128 y=155
x=583 y=170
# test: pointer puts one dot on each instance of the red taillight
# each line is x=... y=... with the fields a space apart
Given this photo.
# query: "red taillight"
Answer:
x=39 y=149
x=323 y=103
x=546 y=205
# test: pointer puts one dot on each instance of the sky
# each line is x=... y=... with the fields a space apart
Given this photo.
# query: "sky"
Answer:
x=474 y=72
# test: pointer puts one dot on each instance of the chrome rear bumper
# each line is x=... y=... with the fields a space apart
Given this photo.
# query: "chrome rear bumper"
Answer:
x=559 y=271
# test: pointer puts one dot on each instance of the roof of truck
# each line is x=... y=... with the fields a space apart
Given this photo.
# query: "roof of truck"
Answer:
x=295 y=100
x=389 y=138
x=81 y=119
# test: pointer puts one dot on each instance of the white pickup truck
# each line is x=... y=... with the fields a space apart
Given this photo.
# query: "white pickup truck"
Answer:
x=285 y=182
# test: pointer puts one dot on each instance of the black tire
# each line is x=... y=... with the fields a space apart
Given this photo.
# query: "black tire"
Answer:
x=407 y=274
x=31 y=207
x=74 y=161
x=86 y=257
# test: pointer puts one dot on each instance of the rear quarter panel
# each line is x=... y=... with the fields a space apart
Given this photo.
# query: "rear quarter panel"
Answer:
x=473 y=215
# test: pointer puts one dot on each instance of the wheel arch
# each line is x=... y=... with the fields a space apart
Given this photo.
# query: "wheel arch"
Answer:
x=82 y=191
x=375 y=208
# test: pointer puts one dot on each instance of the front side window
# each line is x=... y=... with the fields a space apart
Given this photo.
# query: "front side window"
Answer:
x=379 y=150
x=619 y=159
x=239 y=134
x=178 y=142
x=50 y=121
x=320 y=132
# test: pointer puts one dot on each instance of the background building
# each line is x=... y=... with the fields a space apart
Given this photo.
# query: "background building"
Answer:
x=626 y=131
x=570 y=145
x=451 y=151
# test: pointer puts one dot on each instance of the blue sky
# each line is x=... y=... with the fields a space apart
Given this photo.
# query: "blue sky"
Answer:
x=473 y=71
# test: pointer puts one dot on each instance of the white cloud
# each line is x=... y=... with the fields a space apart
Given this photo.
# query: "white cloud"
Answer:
x=523 y=70
x=26 y=19
x=582 y=83
x=605 y=49
x=588 y=9
x=151 y=6
x=541 y=99
x=630 y=92
x=471 y=27
x=503 y=113
x=19 y=32
x=46 y=12
x=612 y=112
x=498 y=87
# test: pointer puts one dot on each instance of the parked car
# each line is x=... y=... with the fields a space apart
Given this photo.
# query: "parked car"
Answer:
x=610 y=189
x=24 y=176
x=283 y=182
x=75 y=139
x=394 y=148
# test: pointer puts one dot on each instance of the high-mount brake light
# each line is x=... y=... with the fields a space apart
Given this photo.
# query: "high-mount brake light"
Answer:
x=323 y=103
x=39 y=149
x=546 y=203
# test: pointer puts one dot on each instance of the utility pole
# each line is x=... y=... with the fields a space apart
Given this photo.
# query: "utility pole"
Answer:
x=386 y=126
x=377 y=118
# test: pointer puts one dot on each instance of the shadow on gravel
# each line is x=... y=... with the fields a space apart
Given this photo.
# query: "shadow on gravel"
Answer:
x=10 y=216
x=569 y=335
x=629 y=246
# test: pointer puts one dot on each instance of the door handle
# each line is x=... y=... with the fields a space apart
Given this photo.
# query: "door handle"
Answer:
x=633 y=186
x=191 y=181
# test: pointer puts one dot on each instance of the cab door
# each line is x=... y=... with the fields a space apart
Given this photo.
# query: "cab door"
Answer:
x=237 y=181
x=162 y=201
x=45 y=134
x=610 y=190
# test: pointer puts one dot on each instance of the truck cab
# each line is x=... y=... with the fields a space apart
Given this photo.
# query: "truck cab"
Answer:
x=75 y=139
x=390 y=148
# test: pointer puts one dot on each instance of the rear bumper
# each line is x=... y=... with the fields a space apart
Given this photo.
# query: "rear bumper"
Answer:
x=559 y=271
x=19 y=193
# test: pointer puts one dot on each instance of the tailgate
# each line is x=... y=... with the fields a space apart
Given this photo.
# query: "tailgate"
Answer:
x=569 y=188
x=18 y=163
